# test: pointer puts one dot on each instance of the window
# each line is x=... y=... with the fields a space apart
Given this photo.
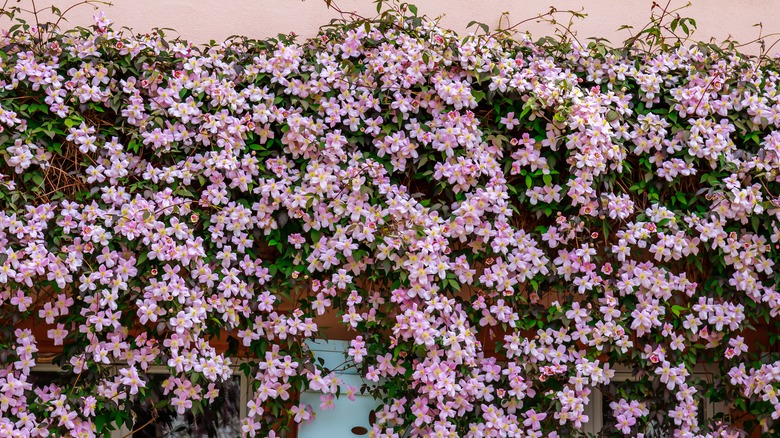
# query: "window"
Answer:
x=348 y=419
x=600 y=413
x=222 y=419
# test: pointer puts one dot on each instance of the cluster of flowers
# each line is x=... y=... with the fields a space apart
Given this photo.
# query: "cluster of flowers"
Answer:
x=500 y=223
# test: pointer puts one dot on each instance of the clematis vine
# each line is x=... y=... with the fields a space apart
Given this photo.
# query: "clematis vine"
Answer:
x=499 y=225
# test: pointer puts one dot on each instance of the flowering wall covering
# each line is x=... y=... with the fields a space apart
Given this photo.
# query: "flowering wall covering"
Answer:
x=499 y=223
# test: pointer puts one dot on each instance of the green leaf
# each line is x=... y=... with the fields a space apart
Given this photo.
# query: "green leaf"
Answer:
x=485 y=28
x=681 y=198
x=184 y=192
x=121 y=417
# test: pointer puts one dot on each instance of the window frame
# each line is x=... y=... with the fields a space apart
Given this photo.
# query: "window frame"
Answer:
x=123 y=431
x=595 y=409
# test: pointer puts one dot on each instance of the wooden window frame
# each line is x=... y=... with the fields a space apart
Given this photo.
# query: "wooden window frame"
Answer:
x=123 y=431
x=595 y=409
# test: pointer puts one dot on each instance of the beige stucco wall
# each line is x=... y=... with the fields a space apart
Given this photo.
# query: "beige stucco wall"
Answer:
x=202 y=20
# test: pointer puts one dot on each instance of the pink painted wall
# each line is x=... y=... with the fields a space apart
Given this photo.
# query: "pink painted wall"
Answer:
x=202 y=20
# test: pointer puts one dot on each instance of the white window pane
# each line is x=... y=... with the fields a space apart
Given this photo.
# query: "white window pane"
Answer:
x=348 y=419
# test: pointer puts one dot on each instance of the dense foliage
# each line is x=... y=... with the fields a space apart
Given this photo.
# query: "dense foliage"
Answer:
x=499 y=222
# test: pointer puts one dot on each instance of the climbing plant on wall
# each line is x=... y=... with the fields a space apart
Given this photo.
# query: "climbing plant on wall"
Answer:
x=500 y=222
